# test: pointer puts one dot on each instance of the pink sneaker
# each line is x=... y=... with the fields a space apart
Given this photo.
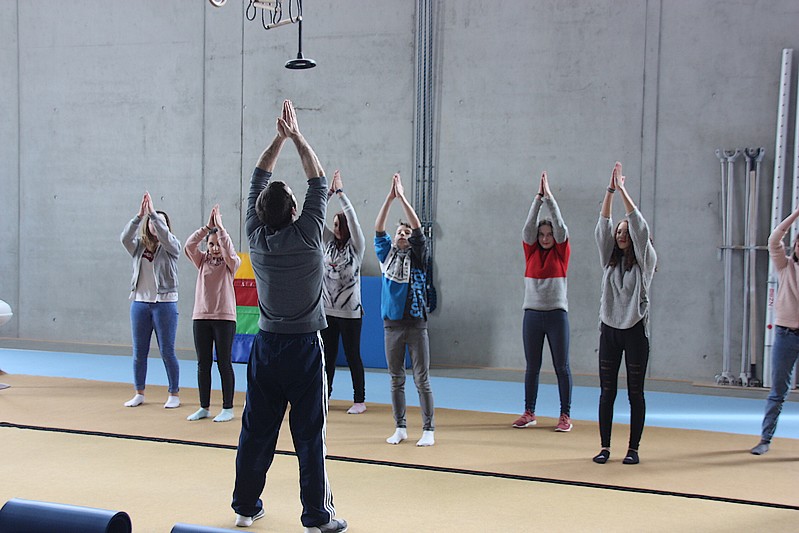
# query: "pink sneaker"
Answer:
x=564 y=423
x=526 y=420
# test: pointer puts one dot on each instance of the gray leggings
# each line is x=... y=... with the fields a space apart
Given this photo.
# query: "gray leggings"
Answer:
x=397 y=338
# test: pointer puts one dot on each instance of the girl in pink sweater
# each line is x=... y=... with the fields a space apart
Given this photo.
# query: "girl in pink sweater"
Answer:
x=785 y=350
x=214 y=311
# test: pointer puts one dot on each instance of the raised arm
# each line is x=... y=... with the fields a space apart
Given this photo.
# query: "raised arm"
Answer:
x=269 y=155
x=192 y=246
x=642 y=243
x=289 y=126
x=166 y=239
x=382 y=215
x=232 y=259
x=129 y=235
x=603 y=233
x=776 y=242
x=607 y=202
x=559 y=230
x=530 y=229
x=356 y=233
x=410 y=213
x=629 y=205
x=260 y=178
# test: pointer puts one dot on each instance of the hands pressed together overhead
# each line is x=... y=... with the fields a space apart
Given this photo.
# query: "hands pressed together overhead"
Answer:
x=336 y=184
x=146 y=207
x=287 y=126
x=397 y=190
x=215 y=219
x=543 y=186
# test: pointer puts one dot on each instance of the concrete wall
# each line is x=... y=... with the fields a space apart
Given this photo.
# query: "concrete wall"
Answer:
x=101 y=103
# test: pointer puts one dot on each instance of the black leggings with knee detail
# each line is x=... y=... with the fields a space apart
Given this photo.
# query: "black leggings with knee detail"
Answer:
x=634 y=344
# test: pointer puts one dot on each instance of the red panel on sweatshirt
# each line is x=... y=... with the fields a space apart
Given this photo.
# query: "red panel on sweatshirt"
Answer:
x=546 y=264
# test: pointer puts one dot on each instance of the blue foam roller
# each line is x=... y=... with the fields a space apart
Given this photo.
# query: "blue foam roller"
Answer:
x=191 y=528
x=28 y=516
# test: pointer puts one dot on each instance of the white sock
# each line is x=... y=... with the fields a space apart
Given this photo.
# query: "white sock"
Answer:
x=399 y=435
x=200 y=414
x=225 y=415
x=357 y=408
x=427 y=439
x=172 y=402
x=137 y=400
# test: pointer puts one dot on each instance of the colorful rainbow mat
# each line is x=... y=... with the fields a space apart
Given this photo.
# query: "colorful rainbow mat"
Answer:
x=372 y=343
x=246 y=310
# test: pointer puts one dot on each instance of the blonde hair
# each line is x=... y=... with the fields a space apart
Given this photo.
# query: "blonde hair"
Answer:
x=149 y=240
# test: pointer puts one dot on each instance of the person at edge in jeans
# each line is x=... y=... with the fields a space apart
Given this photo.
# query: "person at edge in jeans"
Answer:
x=785 y=350
x=287 y=364
x=344 y=247
x=404 y=310
x=214 y=316
x=546 y=309
x=155 y=251
x=628 y=260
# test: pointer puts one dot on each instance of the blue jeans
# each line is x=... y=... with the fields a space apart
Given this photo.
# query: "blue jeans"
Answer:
x=554 y=325
x=161 y=317
x=784 y=353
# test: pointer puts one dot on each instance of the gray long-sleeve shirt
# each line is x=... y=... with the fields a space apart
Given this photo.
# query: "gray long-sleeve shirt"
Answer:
x=625 y=294
x=288 y=263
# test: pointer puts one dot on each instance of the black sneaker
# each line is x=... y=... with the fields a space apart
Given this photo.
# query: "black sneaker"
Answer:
x=334 y=526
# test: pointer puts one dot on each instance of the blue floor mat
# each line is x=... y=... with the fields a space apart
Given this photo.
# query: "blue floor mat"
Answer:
x=670 y=410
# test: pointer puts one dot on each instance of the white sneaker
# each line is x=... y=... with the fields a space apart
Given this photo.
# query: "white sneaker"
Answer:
x=246 y=521
x=334 y=526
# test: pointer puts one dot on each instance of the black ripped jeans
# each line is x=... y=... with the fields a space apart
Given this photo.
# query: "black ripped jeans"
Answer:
x=634 y=344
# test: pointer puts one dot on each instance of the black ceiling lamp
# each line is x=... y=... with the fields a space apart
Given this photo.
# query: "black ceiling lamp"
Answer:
x=300 y=62
x=274 y=20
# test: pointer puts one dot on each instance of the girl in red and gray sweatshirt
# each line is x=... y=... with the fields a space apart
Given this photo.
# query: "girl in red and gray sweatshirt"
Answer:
x=546 y=309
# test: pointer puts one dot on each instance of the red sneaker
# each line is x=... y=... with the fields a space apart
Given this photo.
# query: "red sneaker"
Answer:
x=564 y=423
x=526 y=420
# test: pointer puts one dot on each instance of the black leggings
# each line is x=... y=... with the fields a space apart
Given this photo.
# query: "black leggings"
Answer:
x=350 y=331
x=206 y=334
x=635 y=345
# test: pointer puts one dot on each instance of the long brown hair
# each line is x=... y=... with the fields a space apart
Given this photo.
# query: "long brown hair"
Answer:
x=343 y=229
x=149 y=240
x=627 y=255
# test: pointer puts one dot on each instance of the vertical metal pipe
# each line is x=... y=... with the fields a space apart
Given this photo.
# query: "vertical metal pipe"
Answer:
x=783 y=108
x=726 y=375
x=749 y=198
x=757 y=156
x=723 y=378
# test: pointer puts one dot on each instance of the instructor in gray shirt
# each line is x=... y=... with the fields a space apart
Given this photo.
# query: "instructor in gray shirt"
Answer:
x=287 y=359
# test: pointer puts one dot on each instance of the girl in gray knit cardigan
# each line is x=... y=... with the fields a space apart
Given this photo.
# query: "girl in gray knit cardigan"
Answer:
x=628 y=259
